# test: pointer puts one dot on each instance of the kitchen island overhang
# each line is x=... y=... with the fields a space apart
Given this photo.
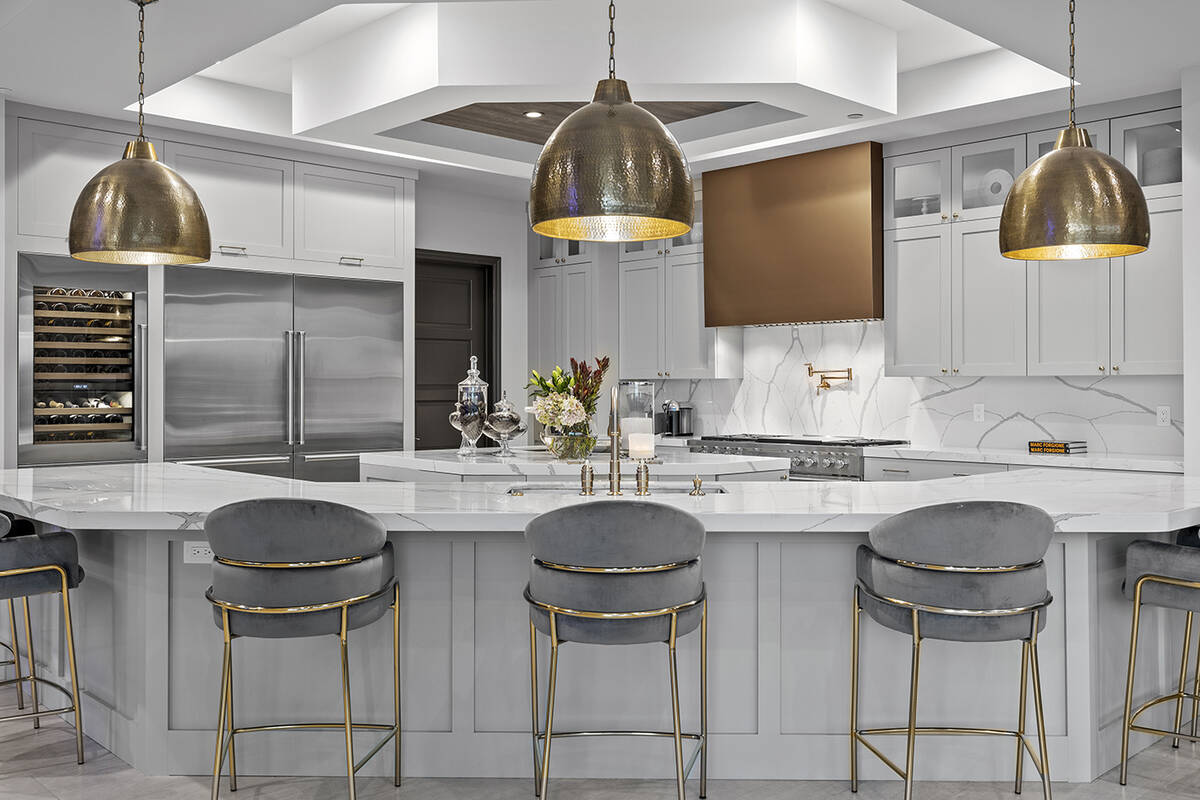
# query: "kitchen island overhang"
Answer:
x=779 y=569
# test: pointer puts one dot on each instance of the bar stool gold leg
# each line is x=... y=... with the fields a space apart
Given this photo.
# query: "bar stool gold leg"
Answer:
x=1021 y=716
x=1133 y=640
x=396 y=676
x=1043 y=745
x=675 y=707
x=229 y=717
x=533 y=697
x=346 y=702
x=1187 y=646
x=222 y=705
x=912 y=706
x=704 y=699
x=16 y=648
x=552 y=681
x=1196 y=690
x=854 y=694
x=33 y=687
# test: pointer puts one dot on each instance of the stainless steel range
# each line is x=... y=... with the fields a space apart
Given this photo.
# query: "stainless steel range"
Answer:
x=813 y=458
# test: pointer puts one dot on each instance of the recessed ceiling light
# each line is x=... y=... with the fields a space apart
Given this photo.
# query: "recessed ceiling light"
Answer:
x=855 y=115
x=533 y=114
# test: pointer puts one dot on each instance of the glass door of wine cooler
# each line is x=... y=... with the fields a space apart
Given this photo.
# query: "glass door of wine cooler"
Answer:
x=82 y=348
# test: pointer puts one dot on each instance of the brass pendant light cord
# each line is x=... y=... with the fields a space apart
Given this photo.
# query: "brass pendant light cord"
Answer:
x=612 y=39
x=142 y=70
x=1071 y=32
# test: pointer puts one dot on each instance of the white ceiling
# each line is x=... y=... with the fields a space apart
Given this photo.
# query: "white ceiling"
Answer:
x=237 y=68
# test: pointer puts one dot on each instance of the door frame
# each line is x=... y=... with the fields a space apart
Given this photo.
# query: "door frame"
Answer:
x=492 y=265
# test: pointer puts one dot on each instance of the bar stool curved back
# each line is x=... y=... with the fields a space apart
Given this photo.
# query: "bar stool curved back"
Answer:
x=286 y=568
x=961 y=572
x=617 y=572
x=1168 y=576
x=32 y=564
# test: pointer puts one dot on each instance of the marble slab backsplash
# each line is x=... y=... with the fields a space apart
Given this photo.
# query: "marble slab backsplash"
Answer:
x=1114 y=414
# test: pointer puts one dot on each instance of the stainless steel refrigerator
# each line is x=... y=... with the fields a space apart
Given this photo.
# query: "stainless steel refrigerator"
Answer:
x=81 y=374
x=279 y=374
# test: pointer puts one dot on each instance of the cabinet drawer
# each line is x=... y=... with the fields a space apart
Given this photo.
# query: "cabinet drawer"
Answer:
x=350 y=217
x=905 y=469
x=248 y=198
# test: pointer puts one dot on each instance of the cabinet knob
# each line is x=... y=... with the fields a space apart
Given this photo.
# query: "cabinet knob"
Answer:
x=667 y=373
x=1101 y=368
x=660 y=374
x=956 y=215
x=1116 y=368
x=944 y=217
x=668 y=250
x=955 y=370
x=944 y=370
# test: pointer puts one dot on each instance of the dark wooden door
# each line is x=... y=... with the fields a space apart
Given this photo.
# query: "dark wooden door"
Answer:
x=456 y=315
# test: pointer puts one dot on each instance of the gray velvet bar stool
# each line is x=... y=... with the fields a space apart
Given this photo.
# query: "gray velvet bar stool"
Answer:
x=1168 y=576
x=617 y=572
x=32 y=564
x=959 y=572
x=286 y=568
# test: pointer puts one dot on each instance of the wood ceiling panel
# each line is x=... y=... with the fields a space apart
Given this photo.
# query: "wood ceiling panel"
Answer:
x=509 y=120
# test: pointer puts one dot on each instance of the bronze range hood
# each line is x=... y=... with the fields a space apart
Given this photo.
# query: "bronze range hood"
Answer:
x=796 y=239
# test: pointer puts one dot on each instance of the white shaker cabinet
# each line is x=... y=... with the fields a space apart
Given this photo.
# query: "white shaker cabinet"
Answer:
x=248 y=198
x=351 y=217
x=982 y=174
x=1151 y=146
x=55 y=163
x=1068 y=317
x=916 y=297
x=1146 y=319
x=546 y=251
x=916 y=189
x=642 y=318
x=987 y=308
x=562 y=315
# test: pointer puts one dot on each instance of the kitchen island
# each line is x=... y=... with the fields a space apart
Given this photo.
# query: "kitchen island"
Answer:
x=779 y=567
x=536 y=464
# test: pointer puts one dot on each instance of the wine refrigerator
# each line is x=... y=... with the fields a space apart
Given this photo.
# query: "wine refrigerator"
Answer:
x=81 y=364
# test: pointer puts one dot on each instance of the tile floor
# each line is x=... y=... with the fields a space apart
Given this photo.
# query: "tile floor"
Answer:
x=41 y=766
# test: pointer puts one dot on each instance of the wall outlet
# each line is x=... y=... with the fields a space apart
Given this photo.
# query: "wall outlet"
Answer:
x=1163 y=414
x=197 y=553
x=977 y=413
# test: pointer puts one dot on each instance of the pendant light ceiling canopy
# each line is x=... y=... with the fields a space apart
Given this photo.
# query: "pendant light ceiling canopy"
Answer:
x=1075 y=202
x=138 y=210
x=611 y=171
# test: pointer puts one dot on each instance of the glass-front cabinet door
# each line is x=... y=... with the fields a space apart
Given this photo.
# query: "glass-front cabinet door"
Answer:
x=638 y=251
x=548 y=251
x=916 y=189
x=983 y=173
x=545 y=250
x=1042 y=142
x=574 y=252
x=1151 y=145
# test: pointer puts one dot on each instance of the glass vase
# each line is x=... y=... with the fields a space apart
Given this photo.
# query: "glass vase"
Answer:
x=570 y=443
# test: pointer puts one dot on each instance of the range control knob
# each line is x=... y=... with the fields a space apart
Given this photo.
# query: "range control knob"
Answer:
x=839 y=463
x=809 y=461
x=826 y=462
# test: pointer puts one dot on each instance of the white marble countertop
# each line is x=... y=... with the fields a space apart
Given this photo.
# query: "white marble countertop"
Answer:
x=1116 y=461
x=537 y=462
x=178 y=497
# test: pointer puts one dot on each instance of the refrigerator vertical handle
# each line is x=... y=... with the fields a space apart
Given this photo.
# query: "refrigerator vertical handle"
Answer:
x=143 y=391
x=301 y=339
x=289 y=341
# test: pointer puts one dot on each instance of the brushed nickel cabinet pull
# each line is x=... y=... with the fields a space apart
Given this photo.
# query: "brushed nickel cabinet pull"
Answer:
x=232 y=249
x=351 y=261
x=897 y=471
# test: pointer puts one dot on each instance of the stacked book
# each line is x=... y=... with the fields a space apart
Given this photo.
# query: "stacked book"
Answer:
x=1059 y=448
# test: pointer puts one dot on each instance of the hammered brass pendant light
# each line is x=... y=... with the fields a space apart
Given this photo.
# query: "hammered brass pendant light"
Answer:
x=611 y=171
x=138 y=210
x=1075 y=202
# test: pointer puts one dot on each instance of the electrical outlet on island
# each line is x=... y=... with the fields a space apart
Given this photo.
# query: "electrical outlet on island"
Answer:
x=1163 y=416
x=977 y=413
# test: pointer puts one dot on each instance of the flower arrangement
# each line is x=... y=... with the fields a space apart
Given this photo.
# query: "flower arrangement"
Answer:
x=565 y=403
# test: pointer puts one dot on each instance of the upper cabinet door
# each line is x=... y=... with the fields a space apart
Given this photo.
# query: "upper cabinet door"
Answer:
x=916 y=189
x=688 y=344
x=983 y=174
x=988 y=305
x=546 y=315
x=578 y=314
x=1068 y=317
x=640 y=319
x=1147 y=304
x=638 y=251
x=574 y=251
x=347 y=216
x=1042 y=142
x=916 y=298
x=1151 y=145
x=543 y=251
x=55 y=163
x=248 y=198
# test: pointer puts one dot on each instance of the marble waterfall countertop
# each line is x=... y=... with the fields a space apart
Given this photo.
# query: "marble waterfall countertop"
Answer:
x=164 y=496
x=534 y=462
x=1117 y=461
